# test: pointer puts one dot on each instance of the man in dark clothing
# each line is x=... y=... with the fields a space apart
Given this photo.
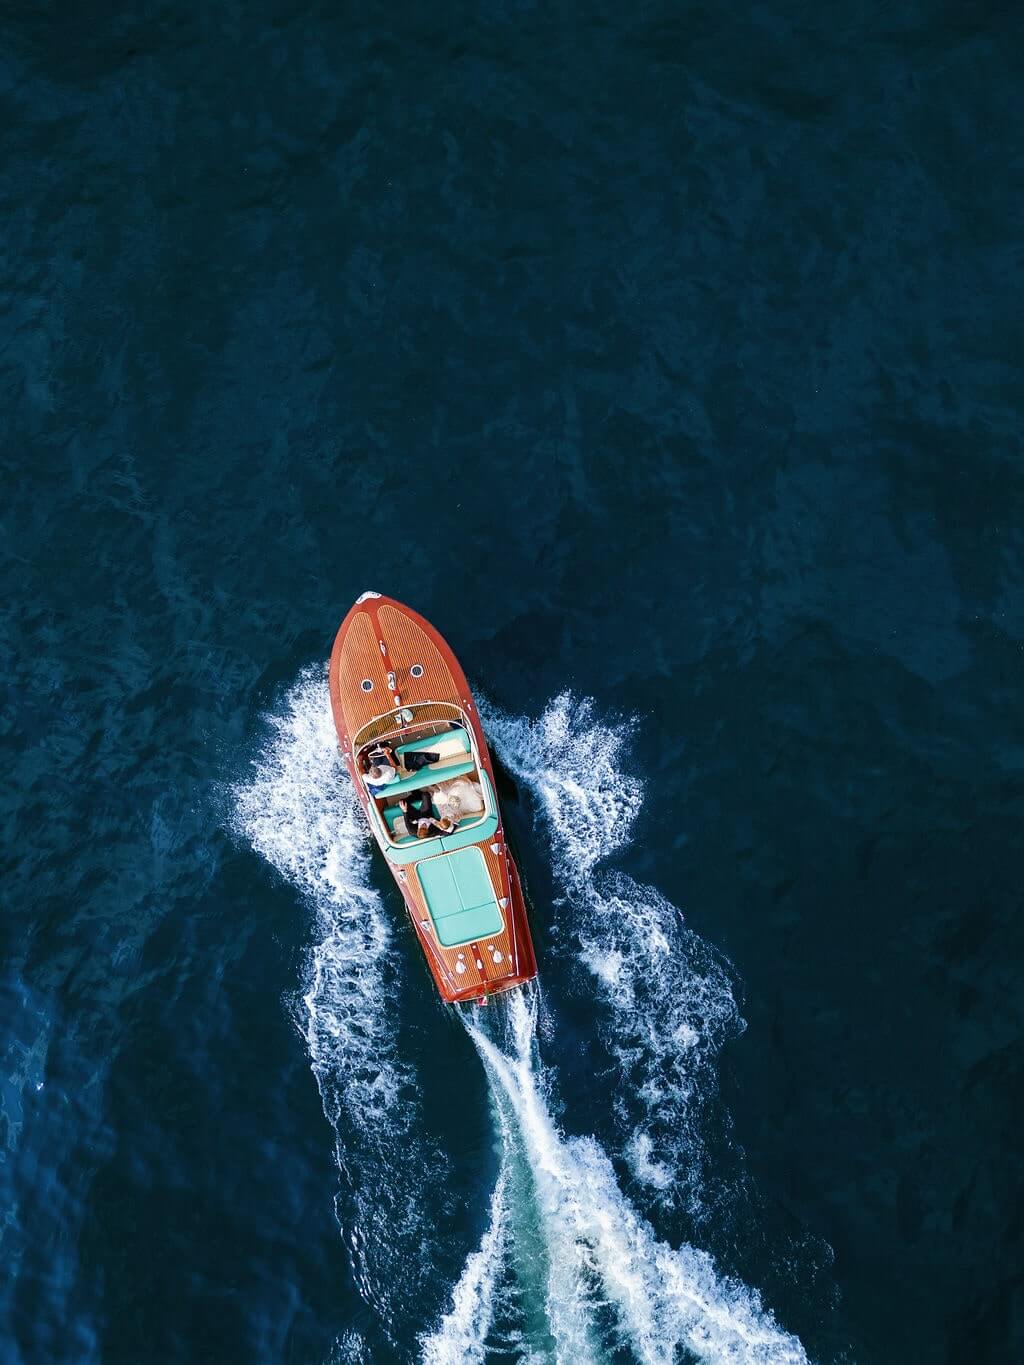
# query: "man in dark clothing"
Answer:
x=419 y=814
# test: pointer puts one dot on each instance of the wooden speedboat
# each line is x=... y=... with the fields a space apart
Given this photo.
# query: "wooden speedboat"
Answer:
x=396 y=687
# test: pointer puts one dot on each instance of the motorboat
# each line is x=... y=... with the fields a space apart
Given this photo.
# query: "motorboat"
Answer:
x=411 y=738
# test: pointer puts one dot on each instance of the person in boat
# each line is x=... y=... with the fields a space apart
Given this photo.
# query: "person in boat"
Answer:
x=380 y=768
x=419 y=815
x=449 y=808
x=459 y=797
x=428 y=829
x=418 y=806
x=379 y=778
x=379 y=754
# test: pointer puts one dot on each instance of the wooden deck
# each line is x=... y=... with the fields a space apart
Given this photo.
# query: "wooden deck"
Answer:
x=382 y=641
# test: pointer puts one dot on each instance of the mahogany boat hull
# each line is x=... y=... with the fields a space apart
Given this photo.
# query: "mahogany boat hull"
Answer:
x=394 y=678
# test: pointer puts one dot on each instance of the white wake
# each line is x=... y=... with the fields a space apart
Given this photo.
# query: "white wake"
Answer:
x=610 y=1284
x=668 y=1001
x=298 y=811
x=461 y=1337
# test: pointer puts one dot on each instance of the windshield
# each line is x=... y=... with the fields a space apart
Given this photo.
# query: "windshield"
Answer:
x=406 y=721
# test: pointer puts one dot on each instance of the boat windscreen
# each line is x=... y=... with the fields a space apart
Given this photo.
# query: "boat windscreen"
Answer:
x=407 y=719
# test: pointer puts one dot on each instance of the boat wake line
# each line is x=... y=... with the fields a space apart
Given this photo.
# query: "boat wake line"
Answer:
x=568 y=1267
x=298 y=811
x=667 y=999
x=607 y=1283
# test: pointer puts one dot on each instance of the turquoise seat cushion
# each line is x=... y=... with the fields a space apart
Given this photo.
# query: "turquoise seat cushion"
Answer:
x=469 y=926
x=460 y=897
x=472 y=829
x=391 y=814
x=426 y=777
x=416 y=746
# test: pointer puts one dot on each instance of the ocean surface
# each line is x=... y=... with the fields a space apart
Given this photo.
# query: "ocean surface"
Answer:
x=668 y=359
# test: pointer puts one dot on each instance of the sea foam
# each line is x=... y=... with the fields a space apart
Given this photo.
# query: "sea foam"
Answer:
x=610 y=1283
x=298 y=811
x=667 y=996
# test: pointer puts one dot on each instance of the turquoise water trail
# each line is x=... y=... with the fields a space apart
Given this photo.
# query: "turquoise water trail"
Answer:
x=609 y=1282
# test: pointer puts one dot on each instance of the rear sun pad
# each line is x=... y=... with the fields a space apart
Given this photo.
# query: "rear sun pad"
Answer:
x=460 y=897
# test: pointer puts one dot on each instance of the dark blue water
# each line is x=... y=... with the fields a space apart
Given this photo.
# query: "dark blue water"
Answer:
x=668 y=357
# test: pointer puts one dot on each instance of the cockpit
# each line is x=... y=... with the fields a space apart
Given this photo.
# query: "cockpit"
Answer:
x=424 y=781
